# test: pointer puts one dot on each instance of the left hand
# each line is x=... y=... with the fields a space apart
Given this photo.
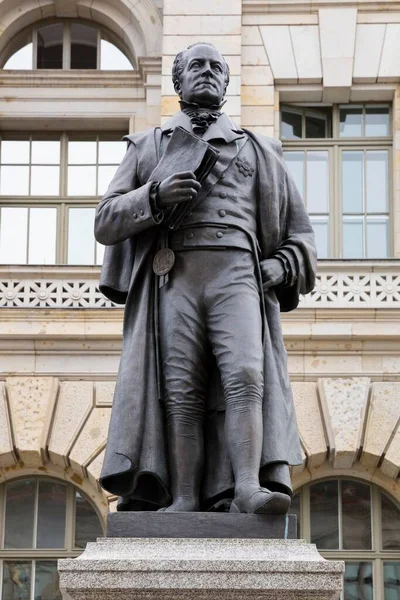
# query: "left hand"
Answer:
x=272 y=273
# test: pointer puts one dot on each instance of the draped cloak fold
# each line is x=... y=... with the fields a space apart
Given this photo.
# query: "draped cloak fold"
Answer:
x=135 y=465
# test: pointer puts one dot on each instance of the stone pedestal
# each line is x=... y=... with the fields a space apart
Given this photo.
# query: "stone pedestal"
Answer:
x=200 y=569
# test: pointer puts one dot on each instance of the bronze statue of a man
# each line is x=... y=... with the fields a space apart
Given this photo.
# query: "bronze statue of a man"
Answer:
x=203 y=416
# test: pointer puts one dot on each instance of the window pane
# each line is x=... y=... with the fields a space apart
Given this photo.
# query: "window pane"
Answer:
x=112 y=59
x=295 y=164
x=51 y=515
x=22 y=59
x=15 y=152
x=13 y=235
x=377 y=237
x=376 y=121
x=81 y=181
x=105 y=176
x=358 y=581
x=46 y=152
x=316 y=126
x=14 y=181
x=356 y=511
x=45 y=181
x=81 y=240
x=111 y=153
x=20 y=505
x=42 y=236
x=295 y=510
x=50 y=47
x=391 y=577
x=87 y=524
x=321 y=230
x=377 y=180
x=353 y=237
x=317 y=182
x=352 y=181
x=99 y=253
x=324 y=515
x=82 y=153
x=290 y=125
x=17 y=579
x=390 y=524
x=350 y=121
x=47 y=580
x=83 y=47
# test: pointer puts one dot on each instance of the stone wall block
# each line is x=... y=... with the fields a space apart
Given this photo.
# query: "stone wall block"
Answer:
x=279 y=48
x=91 y=441
x=382 y=421
x=94 y=469
x=257 y=75
x=389 y=67
x=337 y=30
x=7 y=454
x=307 y=55
x=309 y=421
x=369 y=45
x=391 y=462
x=254 y=55
x=344 y=404
x=257 y=95
x=74 y=404
x=104 y=393
x=199 y=7
x=32 y=402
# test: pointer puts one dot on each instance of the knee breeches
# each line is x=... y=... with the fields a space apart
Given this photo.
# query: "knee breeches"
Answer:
x=211 y=306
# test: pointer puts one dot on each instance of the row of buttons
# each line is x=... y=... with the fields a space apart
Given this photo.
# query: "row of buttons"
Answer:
x=141 y=213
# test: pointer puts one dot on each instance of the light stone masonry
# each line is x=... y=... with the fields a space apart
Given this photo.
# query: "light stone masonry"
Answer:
x=382 y=421
x=344 y=402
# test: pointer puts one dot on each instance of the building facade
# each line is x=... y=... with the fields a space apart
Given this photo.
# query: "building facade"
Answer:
x=76 y=75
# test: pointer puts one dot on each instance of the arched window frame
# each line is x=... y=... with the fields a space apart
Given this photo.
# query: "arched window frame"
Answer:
x=377 y=556
x=70 y=550
x=29 y=35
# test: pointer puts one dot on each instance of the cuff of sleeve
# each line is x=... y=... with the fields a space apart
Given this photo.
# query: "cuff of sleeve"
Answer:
x=288 y=280
x=156 y=211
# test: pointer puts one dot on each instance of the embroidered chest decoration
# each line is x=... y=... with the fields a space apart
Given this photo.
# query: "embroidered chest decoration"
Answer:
x=244 y=167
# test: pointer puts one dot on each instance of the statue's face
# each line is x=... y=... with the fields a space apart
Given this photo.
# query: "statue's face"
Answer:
x=203 y=78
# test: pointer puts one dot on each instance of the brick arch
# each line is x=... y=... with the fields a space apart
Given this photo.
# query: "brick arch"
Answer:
x=138 y=25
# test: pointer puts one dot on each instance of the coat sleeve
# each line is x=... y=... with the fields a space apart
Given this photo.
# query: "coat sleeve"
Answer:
x=127 y=207
x=297 y=248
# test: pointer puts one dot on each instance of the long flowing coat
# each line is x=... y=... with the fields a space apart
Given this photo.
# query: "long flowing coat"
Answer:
x=135 y=465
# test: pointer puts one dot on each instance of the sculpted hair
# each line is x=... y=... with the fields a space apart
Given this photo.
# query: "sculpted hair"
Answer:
x=180 y=63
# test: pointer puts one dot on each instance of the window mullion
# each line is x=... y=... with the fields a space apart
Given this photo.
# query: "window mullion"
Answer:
x=305 y=520
x=66 y=52
x=69 y=520
x=337 y=210
x=33 y=576
x=36 y=515
x=340 y=515
x=34 y=48
x=98 y=58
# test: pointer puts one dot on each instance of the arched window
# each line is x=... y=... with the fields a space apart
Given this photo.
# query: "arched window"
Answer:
x=41 y=520
x=356 y=522
x=66 y=44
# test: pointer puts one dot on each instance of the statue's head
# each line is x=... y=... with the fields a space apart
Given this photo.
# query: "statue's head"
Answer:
x=200 y=74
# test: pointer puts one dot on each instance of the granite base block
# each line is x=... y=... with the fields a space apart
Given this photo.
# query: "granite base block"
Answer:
x=201 y=569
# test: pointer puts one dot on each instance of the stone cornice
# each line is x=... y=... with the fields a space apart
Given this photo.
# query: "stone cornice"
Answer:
x=312 y=6
x=81 y=78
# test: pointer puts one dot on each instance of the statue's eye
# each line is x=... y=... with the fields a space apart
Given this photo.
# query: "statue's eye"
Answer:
x=217 y=67
x=195 y=64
